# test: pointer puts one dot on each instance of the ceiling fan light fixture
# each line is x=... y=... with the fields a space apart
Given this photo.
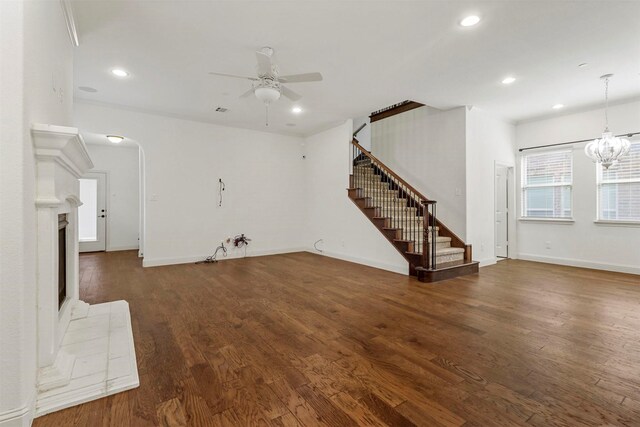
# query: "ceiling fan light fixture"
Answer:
x=296 y=110
x=267 y=94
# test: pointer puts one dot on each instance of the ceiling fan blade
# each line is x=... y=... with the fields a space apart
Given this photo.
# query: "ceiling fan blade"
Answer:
x=264 y=64
x=234 y=76
x=247 y=93
x=301 y=78
x=289 y=93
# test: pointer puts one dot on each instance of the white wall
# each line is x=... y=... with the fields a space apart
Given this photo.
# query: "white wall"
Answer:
x=264 y=196
x=581 y=243
x=490 y=140
x=426 y=147
x=331 y=216
x=123 y=208
x=36 y=84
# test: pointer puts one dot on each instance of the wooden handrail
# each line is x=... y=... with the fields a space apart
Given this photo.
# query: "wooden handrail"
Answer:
x=392 y=110
x=389 y=171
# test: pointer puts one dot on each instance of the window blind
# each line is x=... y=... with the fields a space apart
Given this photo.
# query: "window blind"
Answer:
x=619 y=188
x=547 y=180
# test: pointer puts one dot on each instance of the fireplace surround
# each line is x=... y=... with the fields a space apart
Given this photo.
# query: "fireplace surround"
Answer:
x=61 y=158
x=84 y=352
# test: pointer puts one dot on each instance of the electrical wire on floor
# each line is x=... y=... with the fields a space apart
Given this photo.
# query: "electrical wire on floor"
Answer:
x=239 y=241
x=212 y=258
x=315 y=245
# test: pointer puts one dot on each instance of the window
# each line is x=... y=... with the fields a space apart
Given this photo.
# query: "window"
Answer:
x=619 y=188
x=546 y=185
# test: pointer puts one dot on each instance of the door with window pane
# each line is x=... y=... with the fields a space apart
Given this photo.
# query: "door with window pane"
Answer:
x=92 y=213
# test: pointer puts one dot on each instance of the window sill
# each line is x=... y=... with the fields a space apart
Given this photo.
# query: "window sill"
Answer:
x=549 y=220
x=617 y=223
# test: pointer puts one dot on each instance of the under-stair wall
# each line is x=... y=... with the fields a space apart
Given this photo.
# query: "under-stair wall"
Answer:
x=346 y=233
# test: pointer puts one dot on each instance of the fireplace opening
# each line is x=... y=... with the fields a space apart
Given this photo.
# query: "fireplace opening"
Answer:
x=62 y=259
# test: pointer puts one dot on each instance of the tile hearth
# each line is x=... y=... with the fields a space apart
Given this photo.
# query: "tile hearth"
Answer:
x=100 y=339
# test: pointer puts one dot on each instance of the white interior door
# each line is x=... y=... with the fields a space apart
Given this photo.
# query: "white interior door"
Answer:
x=502 y=211
x=92 y=215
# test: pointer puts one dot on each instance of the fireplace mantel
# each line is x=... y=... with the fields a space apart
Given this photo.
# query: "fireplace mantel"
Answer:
x=59 y=151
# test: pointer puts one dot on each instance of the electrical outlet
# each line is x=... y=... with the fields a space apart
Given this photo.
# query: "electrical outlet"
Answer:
x=547 y=244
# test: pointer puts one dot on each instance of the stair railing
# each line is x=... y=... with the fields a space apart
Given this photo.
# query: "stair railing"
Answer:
x=430 y=227
x=409 y=212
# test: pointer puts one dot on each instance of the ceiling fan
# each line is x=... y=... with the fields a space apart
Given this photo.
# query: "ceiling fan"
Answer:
x=268 y=86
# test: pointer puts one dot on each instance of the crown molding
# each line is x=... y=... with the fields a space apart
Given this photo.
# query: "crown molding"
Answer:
x=67 y=11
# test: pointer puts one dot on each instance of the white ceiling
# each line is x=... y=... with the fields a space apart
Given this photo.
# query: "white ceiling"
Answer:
x=371 y=54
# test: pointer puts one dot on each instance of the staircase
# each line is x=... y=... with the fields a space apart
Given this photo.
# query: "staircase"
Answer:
x=407 y=219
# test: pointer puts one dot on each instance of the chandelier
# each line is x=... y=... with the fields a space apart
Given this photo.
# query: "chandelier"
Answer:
x=608 y=149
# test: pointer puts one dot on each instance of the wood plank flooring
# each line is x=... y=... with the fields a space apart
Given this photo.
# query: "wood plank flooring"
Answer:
x=305 y=340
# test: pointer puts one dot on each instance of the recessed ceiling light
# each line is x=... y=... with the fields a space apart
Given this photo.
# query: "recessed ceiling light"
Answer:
x=558 y=106
x=584 y=64
x=296 y=110
x=508 y=80
x=470 y=21
x=115 y=138
x=119 y=72
x=88 y=89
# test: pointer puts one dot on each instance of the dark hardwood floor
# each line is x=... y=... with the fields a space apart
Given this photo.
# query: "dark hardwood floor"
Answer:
x=301 y=339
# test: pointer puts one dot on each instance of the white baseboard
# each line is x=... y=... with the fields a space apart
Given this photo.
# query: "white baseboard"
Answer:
x=404 y=270
x=122 y=248
x=487 y=261
x=235 y=254
x=20 y=417
x=580 y=263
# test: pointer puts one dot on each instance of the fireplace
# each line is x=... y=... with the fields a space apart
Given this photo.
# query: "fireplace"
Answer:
x=84 y=352
x=62 y=259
